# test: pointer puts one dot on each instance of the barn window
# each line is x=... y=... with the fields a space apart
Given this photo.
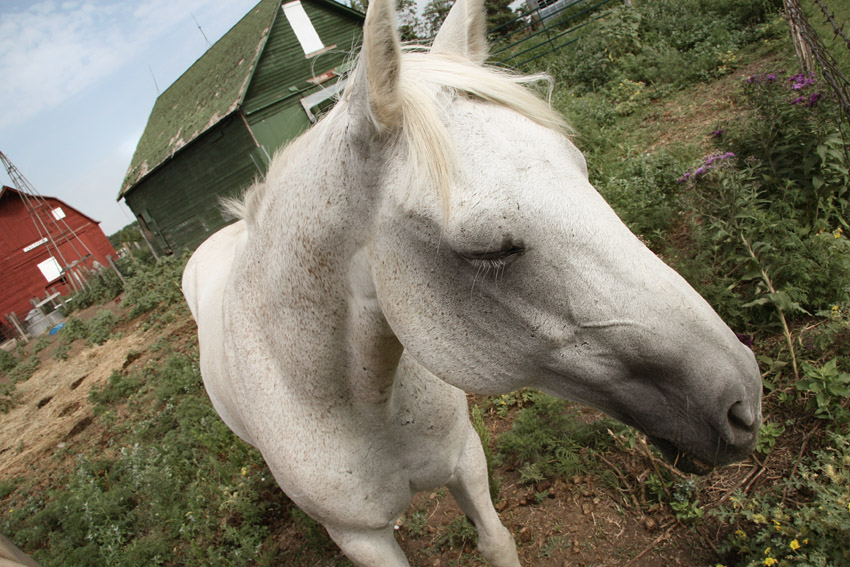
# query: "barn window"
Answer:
x=50 y=269
x=307 y=35
x=58 y=213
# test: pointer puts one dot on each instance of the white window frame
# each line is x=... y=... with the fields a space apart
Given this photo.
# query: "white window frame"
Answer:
x=50 y=269
x=300 y=22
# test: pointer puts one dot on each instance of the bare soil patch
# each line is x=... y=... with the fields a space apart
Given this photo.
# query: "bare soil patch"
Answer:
x=52 y=408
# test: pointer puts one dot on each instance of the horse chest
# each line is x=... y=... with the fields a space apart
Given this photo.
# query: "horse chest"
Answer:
x=365 y=459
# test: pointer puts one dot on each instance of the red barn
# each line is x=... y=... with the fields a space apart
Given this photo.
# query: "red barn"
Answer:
x=45 y=245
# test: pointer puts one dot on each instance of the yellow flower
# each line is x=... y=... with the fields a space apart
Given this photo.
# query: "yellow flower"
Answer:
x=244 y=471
x=767 y=551
x=770 y=561
x=740 y=533
x=794 y=545
x=777 y=524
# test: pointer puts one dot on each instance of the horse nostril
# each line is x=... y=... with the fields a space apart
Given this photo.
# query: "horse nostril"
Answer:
x=741 y=416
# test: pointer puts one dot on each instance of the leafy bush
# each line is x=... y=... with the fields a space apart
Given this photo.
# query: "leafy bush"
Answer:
x=155 y=287
x=23 y=370
x=105 y=285
x=75 y=328
x=771 y=219
x=663 y=44
x=547 y=440
x=645 y=194
x=769 y=530
x=99 y=328
x=7 y=361
x=118 y=388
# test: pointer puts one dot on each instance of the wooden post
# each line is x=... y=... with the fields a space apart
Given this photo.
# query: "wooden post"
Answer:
x=115 y=268
x=14 y=320
x=148 y=242
x=804 y=53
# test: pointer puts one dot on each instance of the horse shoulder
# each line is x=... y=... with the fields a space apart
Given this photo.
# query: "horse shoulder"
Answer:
x=205 y=279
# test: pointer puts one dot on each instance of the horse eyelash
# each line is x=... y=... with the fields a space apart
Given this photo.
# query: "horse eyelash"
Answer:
x=487 y=265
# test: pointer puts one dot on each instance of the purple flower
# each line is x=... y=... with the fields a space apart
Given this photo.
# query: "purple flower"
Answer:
x=746 y=339
x=708 y=164
x=801 y=81
x=717 y=133
x=759 y=79
x=813 y=99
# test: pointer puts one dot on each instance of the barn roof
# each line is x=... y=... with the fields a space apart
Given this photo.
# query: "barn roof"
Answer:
x=6 y=190
x=209 y=91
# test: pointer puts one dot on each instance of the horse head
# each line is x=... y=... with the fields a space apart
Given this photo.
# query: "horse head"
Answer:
x=498 y=266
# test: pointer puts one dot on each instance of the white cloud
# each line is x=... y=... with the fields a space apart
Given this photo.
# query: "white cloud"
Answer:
x=51 y=51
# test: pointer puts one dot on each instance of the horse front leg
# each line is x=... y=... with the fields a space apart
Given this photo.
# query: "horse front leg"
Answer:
x=471 y=491
x=369 y=548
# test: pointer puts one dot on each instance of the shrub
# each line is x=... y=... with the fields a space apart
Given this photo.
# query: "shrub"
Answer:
x=104 y=285
x=99 y=327
x=770 y=219
x=154 y=287
x=547 y=440
x=7 y=361
x=813 y=532
x=645 y=194
x=74 y=329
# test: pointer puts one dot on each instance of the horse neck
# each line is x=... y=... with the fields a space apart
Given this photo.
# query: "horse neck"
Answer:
x=329 y=331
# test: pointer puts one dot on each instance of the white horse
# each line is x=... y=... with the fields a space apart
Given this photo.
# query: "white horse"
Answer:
x=436 y=233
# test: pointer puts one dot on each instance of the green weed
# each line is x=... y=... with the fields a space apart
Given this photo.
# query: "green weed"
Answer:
x=828 y=391
x=459 y=533
x=812 y=530
x=155 y=288
x=548 y=440
x=99 y=328
x=40 y=344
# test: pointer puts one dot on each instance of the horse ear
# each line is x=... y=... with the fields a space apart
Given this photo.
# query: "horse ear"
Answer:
x=464 y=32
x=377 y=92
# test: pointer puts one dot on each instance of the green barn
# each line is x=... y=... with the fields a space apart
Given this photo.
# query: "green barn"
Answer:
x=213 y=131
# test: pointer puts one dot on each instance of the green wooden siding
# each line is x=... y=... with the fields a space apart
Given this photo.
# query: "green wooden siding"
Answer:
x=283 y=70
x=284 y=125
x=182 y=197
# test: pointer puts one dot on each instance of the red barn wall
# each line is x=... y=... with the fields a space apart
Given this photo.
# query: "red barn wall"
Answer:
x=20 y=277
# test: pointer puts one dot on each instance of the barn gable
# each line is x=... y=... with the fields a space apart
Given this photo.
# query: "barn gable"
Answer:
x=212 y=132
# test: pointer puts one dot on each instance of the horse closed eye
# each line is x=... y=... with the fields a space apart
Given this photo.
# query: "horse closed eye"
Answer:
x=495 y=260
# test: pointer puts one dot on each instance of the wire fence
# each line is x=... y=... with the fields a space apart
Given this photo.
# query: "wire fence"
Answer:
x=545 y=28
x=811 y=49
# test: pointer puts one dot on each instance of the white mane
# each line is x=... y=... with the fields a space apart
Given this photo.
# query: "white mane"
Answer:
x=431 y=156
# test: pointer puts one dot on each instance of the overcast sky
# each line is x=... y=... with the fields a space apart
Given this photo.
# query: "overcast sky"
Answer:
x=77 y=86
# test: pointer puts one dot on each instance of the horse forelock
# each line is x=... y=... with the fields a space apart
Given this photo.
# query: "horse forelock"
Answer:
x=432 y=160
x=431 y=157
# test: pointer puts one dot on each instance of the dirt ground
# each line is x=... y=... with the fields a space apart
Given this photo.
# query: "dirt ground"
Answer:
x=576 y=522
